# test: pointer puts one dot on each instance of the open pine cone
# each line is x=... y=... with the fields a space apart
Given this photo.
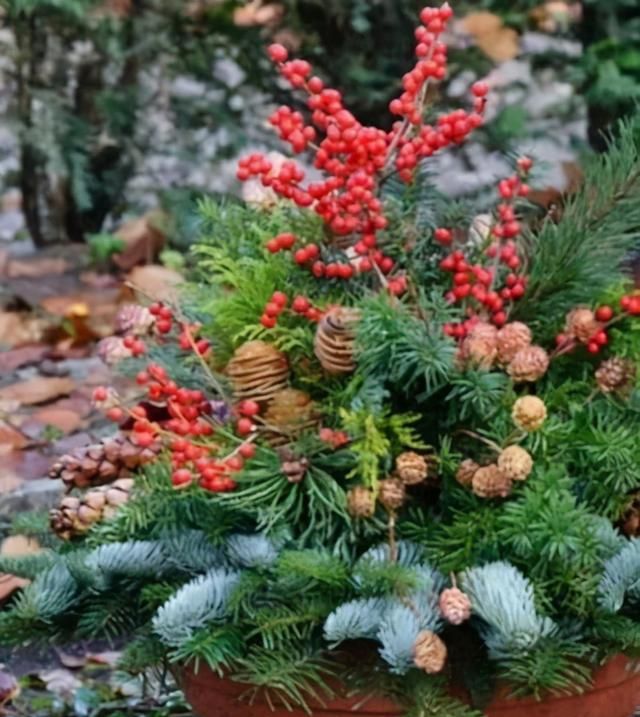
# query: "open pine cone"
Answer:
x=392 y=493
x=101 y=463
x=480 y=347
x=582 y=324
x=515 y=463
x=75 y=516
x=529 y=413
x=616 y=375
x=529 y=364
x=430 y=653
x=412 y=468
x=512 y=338
x=490 y=482
x=455 y=606
x=466 y=470
x=257 y=371
x=335 y=338
x=361 y=503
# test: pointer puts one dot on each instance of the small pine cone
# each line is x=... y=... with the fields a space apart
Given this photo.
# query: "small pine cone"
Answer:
x=392 y=493
x=480 y=347
x=429 y=652
x=335 y=339
x=112 y=350
x=257 y=371
x=466 y=470
x=455 y=606
x=295 y=470
x=361 y=502
x=515 y=463
x=529 y=364
x=490 y=482
x=291 y=412
x=412 y=468
x=134 y=319
x=616 y=375
x=529 y=413
x=582 y=325
x=512 y=338
x=75 y=516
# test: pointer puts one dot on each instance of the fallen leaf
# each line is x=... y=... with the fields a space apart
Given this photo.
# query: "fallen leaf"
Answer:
x=498 y=42
x=70 y=660
x=19 y=545
x=98 y=281
x=10 y=437
x=257 y=13
x=155 y=282
x=143 y=241
x=63 y=419
x=109 y=658
x=60 y=681
x=36 y=268
x=24 y=356
x=39 y=389
x=18 y=327
x=9 y=480
x=8 y=585
x=18 y=466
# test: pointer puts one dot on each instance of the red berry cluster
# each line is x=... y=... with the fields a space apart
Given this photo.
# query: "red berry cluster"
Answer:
x=188 y=333
x=630 y=303
x=278 y=304
x=135 y=345
x=486 y=287
x=356 y=158
x=597 y=341
x=336 y=439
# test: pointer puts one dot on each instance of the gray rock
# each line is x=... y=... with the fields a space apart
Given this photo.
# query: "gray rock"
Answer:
x=39 y=494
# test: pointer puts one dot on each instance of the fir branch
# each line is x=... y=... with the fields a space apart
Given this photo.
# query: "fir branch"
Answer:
x=251 y=551
x=218 y=647
x=621 y=578
x=354 y=620
x=397 y=633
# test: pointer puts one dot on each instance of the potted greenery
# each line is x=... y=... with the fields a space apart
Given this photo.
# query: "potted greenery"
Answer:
x=385 y=453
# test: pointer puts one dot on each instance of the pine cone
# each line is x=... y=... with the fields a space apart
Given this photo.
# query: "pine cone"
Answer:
x=466 y=470
x=529 y=413
x=411 y=468
x=291 y=412
x=430 y=653
x=529 y=364
x=392 y=493
x=75 y=516
x=455 y=606
x=512 y=338
x=293 y=467
x=616 y=375
x=258 y=371
x=490 y=482
x=515 y=463
x=112 y=350
x=480 y=347
x=335 y=339
x=361 y=502
x=582 y=324
x=630 y=519
x=102 y=462
x=134 y=319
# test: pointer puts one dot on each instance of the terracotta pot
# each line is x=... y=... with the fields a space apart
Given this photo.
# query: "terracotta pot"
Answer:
x=615 y=693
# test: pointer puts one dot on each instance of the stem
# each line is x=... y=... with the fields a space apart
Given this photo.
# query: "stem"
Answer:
x=484 y=440
x=393 y=543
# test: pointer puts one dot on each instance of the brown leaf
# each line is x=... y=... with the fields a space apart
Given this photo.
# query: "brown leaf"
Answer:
x=36 y=268
x=10 y=437
x=63 y=419
x=37 y=390
x=109 y=658
x=24 y=356
x=143 y=240
x=257 y=13
x=60 y=682
x=155 y=282
x=498 y=42
x=8 y=585
x=18 y=466
x=18 y=545
x=17 y=327
x=70 y=660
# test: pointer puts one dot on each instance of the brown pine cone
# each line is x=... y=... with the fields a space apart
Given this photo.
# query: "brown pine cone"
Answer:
x=466 y=470
x=490 y=482
x=75 y=516
x=582 y=325
x=103 y=462
x=529 y=413
x=112 y=350
x=293 y=467
x=392 y=493
x=512 y=338
x=529 y=364
x=616 y=375
x=412 y=468
x=335 y=339
x=480 y=347
x=361 y=502
x=291 y=412
x=430 y=653
x=515 y=463
x=257 y=371
x=134 y=319
x=455 y=606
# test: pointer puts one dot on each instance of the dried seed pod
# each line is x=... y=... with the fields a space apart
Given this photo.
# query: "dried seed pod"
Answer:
x=466 y=470
x=257 y=371
x=335 y=339
x=529 y=413
x=429 y=652
x=412 y=468
x=512 y=338
x=134 y=319
x=490 y=482
x=455 y=606
x=582 y=324
x=361 y=502
x=480 y=347
x=616 y=375
x=392 y=493
x=529 y=364
x=515 y=463
x=291 y=412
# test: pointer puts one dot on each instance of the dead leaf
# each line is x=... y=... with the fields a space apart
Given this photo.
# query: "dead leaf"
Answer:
x=18 y=466
x=498 y=42
x=143 y=240
x=60 y=681
x=63 y=419
x=70 y=660
x=24 y=356
x=9 y=584
x=39 y=389
x=256 y=13
x=37 y=268
x=10 y=437
x=154 y=282
x=18 y=545
x=18 y=327
x=109 y=658
x=98 y=281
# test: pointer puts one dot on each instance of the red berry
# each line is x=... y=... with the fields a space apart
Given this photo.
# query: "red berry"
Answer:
x=244 y=426
x=604 y=313
x=235 y=463
x=444 y=236
x=278 y=53
x=480 y=89
x=144 y=440
x=142 y=378
x=272 y=309
x=268 y=321
x=625 y=303
x=115 y=414
x=601 y=338
x=300 y=305
x=100 y=394
x=182 y=476
x=499 y=318
x=279 y=298
x=249 y=408
x=301 y=256
x=593 y=347
x=247 y=450
x=163 y=326
x=273 y=246
x=525 y=163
